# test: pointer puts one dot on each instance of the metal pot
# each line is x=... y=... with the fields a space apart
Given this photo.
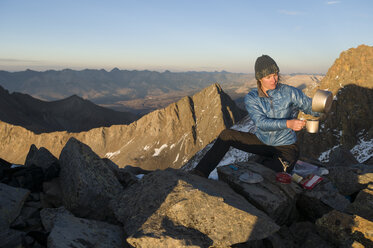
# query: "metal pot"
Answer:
x=322 y=101
x=312 y=126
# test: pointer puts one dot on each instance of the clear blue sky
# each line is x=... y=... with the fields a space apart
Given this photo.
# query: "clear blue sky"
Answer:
x=180 y=35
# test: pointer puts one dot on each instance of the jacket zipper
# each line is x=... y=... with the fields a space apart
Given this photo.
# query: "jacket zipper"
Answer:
x=273 y=111
x=273 y=114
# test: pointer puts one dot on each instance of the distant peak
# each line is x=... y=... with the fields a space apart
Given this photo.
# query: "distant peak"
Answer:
x=115 y=69
x=73 y=97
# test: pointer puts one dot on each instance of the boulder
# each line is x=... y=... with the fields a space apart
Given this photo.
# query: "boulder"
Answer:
x=363 y=204
x=44 y=159
x=124 y=175
x=70 y=231
x=281 y=239
x=4 y=163
x=276 y=199
x=172 y=208
x=320 y=200
x=341 y=156
x=88 y=185
x=344 y=229
x=29 y=219
x=48 y=216
x=30 y=177
x=351 y=179
x=52 y=194
x=11 y=203
x=4 y=167
x=10 y=238
x=305 y=235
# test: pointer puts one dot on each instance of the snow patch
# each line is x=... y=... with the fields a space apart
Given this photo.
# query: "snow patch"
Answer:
x=157 y=151
x=127 y=144
x=247 y=125
x=140 y=176
x=232 y=156
x=15 y=166
x=363 y=150
x=172 y=146
x=324 y=157
x=146 y=148
x=177 y=157
x=112 y=154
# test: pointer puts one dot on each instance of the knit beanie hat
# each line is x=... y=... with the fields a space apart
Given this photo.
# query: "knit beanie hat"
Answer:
x=265 y=65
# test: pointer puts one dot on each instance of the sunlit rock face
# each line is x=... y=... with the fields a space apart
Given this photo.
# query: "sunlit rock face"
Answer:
x=349 y=122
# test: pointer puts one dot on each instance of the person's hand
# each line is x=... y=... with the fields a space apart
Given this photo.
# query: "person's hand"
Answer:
x=295 y=124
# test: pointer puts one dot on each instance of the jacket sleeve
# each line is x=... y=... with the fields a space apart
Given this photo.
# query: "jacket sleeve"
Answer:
x=260 y=118
x=303 y=102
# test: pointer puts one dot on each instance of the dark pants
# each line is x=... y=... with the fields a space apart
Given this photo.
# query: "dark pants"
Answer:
x=248 y=142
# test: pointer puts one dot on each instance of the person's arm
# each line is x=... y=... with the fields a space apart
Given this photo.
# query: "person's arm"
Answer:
x=303 y=102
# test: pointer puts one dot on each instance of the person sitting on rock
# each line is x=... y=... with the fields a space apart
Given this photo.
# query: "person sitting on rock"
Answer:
x=273 y=107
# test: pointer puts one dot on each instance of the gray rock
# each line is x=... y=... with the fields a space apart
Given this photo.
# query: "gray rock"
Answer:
x=344 y=229
x=363 y=204
x=40 y=157
x=172 y=208
x=10 y=238
x=28 y=218
x=346 y=179
x=124 y=175
x=11 y=203
x=88 y=185
x=70 y=231
x=48 y=216
x=356 y=177
x=320 y=200
x=341 y=156
x=281 y=239
x=274 y=198
x=52 y=193
x=329 y=195
x=44 y=159
x=305 y=235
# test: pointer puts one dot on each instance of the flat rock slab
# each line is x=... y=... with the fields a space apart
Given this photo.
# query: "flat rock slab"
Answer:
x=276 y=199
x=172 y=208
x=328 y=194
x=70 y=231
x=11 y=203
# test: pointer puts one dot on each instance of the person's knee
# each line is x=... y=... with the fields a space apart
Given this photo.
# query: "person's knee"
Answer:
x=225 y=135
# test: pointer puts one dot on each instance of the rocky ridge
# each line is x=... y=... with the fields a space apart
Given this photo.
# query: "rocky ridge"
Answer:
x=164 y=138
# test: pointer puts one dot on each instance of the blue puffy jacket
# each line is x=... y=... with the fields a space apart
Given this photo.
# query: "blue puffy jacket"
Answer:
x=271 y=113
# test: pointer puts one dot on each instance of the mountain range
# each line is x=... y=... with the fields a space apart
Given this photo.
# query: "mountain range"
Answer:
x=72 y=114
x=139 y=92
x=117 y=89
